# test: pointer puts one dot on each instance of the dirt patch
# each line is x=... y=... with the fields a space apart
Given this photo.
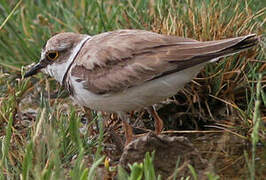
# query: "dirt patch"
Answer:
x=167 y=152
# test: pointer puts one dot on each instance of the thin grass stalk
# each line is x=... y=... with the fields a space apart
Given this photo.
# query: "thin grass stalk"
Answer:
x=256 y=123
x=92 y=172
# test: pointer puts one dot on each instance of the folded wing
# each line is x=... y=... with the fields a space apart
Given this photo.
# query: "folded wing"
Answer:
x=114 y=61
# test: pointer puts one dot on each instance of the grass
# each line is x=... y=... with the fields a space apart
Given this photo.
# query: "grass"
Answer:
x=42 y=137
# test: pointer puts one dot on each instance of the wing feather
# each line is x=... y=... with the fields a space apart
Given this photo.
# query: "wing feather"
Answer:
x=114 y=61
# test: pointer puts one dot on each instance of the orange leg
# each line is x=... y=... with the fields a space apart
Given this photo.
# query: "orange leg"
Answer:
x=158 y=121
x=127 y=128
x=128 y=132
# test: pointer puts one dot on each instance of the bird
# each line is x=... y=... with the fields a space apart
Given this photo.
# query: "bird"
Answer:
x=124 y=70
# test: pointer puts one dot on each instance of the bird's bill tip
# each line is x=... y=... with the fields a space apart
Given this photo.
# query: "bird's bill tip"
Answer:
x=34 y=70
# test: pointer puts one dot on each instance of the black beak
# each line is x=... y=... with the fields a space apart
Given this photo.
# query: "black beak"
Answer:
x=34 y=70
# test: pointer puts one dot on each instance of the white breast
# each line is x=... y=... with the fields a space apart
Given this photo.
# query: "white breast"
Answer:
x=137 y=97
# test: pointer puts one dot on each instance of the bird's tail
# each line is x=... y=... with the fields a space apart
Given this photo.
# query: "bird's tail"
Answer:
x=243 y=42
x=214 y=50
x=210 y=51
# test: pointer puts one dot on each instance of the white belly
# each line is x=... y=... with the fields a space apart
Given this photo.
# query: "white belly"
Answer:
x=136 y=97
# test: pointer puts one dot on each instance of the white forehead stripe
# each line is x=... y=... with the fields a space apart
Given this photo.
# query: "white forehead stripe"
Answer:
x=72 y=57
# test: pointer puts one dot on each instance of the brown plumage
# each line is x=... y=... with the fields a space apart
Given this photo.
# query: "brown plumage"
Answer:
x=113 y=61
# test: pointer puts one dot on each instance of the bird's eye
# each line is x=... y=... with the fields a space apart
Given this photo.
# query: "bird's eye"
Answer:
x=52 y=55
